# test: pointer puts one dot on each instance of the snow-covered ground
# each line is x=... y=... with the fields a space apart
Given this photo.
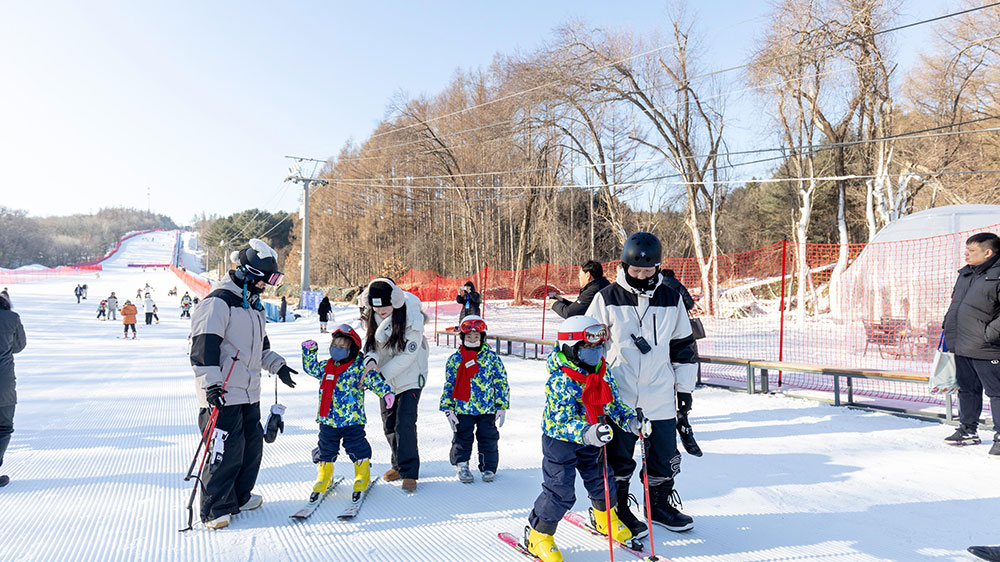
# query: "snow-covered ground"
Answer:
x=105 y=429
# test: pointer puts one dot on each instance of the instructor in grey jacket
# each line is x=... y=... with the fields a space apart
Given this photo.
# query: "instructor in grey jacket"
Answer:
x=12 y=341
x=229 y=347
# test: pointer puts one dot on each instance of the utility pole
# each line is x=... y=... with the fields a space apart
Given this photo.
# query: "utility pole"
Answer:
x=295 y=175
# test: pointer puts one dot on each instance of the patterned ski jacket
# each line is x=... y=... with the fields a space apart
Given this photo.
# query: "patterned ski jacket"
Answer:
x=489 y=389
x=347 y=405
x=565 y=417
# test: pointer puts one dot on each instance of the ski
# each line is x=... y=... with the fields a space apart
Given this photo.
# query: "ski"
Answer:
x=311 y=506
x=516 y=544
x=636 y=547
x=352 y=511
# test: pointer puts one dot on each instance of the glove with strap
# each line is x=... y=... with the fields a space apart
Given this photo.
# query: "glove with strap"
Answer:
x=214 y=394
x=597 y=434
x=452 y=420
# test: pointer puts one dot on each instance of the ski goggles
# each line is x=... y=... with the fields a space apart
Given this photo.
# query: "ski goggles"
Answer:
x=598 y=333
x=273 y=279
x=473 y=325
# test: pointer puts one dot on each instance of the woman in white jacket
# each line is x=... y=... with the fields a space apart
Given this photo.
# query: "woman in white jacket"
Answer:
x=395 y=346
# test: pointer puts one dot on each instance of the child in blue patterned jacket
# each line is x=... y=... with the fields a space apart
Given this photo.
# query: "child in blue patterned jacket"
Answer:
x=475 y=400
x=579 y=394
x=341 y=414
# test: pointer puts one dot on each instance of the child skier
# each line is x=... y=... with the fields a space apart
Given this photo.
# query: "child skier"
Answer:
x=342 y=407
x=579 y=393
x=102 y=310
x=186 y=305
x=475 y=400
x=128 y=318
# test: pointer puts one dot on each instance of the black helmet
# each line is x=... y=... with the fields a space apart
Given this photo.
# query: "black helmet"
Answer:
x=258 y=262
x=642 y=249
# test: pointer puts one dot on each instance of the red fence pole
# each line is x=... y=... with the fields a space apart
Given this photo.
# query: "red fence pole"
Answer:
x=781 y=329
x=486 y=276
x=545 y=295
x=437 y=281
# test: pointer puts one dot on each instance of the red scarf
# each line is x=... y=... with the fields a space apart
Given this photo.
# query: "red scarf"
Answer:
x=467 y=368
x=329 y=383
x=596 y=390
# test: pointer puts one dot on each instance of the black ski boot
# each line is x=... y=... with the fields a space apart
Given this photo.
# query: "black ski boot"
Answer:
x=995 y=449
x=639 y=528
x=666 y=505
x=964 y=435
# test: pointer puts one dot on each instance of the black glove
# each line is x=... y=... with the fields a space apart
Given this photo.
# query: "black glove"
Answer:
x=687 y=436
x=214 y=395
x=684 y=400
x=285 y=375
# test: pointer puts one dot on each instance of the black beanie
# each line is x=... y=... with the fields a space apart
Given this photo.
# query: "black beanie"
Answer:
x=380 y=294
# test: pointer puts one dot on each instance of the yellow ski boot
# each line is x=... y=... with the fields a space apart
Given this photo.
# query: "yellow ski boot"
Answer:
x=362 y=478
x=619 y=531
x=542 y=546
x=323 y=477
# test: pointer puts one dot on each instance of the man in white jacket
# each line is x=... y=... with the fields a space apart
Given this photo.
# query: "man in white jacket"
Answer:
x=652 y=355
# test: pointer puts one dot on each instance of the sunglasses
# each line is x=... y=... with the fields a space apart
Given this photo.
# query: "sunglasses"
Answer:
x=594 y=334
x=474 y=325
x=273 y=279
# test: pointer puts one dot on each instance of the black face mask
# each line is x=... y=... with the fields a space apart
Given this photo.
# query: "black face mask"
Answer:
x=642 y=284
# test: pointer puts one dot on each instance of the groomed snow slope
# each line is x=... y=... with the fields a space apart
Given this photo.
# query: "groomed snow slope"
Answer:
x=105 y=429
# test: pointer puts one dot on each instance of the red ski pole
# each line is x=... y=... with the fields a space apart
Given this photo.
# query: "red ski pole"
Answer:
x=607 y=495
x=645 y=488
x=209 y=429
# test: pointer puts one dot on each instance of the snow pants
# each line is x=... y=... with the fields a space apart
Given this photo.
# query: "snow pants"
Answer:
x=6 y=428
x=227 y=485
x=484 y=428
x=112 y=314
x=400 y=425
x=149 y=318
x=561 y=460
x=100 y=314
x=127 y=326
x=662 y=458
x=353 y=437
x=974 y=376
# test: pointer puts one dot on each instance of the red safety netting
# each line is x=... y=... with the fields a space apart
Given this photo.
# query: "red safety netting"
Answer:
x=15 y=276
x=876 y=306
x=198 y=285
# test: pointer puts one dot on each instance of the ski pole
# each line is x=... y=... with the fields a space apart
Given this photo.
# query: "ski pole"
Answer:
x=607 y=494
x=645 y=488
x=209 y=430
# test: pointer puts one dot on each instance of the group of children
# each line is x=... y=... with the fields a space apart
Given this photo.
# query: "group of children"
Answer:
x=581 y=394
x=108 y=310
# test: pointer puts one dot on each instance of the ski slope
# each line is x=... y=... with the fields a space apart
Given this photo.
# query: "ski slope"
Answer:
x=105 y=429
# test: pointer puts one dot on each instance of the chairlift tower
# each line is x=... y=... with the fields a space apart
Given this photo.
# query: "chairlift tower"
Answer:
x=295 y=175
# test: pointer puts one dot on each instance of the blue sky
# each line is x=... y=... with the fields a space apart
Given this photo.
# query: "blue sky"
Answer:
x=200 y=101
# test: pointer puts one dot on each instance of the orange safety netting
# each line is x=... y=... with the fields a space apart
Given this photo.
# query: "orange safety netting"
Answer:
x=881 y=308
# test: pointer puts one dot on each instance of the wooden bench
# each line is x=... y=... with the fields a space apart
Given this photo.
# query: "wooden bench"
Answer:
x=499 y=340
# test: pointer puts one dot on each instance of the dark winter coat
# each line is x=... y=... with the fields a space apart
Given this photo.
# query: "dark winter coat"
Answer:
x=324 y=310
x=972 y=323
x=564 y=308
x=675 y=284
x=12 y=341
x=470 y=303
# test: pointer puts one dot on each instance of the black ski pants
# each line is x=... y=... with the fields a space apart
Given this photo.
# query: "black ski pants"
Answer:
x=149 y=318
x=353 y=436
x=400 y=425
x=974 y=376
x=6 y=428
x=662 y=458
x=484 y=428
x=227 y=485
x=561 y=460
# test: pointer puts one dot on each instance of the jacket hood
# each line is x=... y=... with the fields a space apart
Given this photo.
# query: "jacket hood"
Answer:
x=415 y=318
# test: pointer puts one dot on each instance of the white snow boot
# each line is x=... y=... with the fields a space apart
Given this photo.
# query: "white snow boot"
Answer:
x=253 y=503
x=218 y=522
x=464 y=474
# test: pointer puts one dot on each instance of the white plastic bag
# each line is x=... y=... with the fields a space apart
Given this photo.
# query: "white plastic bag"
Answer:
x=942 y=377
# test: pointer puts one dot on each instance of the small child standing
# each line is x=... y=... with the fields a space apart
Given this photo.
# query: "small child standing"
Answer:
x=101 y=310
x=341 y=414
x=580 y=392
x=475 y=400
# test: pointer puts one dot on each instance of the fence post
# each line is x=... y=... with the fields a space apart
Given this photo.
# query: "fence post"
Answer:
x=545 y=295
x=437 y=299
x=486 y=276
x=781 y=329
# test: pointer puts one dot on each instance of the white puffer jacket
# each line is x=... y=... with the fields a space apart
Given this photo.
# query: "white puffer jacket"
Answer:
x=406 y=369
x=649 y=380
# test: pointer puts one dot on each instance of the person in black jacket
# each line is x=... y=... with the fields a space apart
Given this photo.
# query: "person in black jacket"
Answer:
x=12 y=341
x=469 y=299
x=670 y=280
x=972 y=333
x=592 y=280
x=324 y=313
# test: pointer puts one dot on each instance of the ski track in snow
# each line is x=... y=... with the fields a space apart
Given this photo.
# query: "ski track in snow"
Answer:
x=105 y=429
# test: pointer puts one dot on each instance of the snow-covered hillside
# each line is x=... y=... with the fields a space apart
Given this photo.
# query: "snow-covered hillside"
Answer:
x=105 y=429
